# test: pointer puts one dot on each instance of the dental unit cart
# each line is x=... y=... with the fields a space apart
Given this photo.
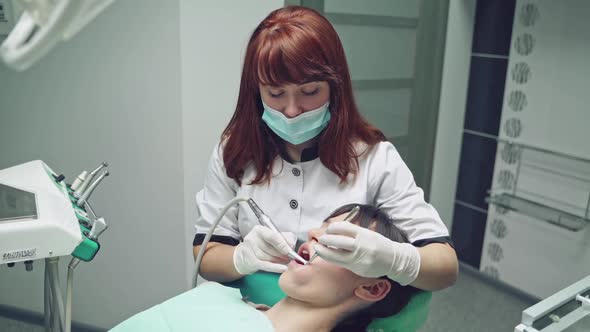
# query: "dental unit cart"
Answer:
x=42 y=217
x=567 y=310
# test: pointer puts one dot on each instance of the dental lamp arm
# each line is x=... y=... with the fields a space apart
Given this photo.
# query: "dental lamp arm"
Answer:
x=44 y=24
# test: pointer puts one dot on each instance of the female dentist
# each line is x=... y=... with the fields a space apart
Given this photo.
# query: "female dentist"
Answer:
x=299 y=147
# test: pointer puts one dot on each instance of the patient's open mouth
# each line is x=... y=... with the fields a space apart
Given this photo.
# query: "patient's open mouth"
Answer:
x=303 y=252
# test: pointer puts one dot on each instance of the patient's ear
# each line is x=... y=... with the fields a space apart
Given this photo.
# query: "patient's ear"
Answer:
x=374 y=290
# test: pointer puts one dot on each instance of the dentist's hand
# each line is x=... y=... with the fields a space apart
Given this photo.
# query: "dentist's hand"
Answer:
x=368 y=253
x=262 y=249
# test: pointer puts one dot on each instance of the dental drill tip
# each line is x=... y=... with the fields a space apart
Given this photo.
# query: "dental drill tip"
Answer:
x=295 y=256
x=96 y=170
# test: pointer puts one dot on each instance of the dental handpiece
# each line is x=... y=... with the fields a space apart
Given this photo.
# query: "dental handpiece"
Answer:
x=81 y=187
x=98 y=227
x=79 y=180
x=84 y=197
x=349 y=217
x=267 y=222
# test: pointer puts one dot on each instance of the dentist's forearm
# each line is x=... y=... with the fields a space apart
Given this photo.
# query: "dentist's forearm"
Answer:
x=439 y=267
x=218 y=262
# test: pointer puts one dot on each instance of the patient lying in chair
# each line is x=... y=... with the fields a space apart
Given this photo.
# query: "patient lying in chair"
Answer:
x=321 y=296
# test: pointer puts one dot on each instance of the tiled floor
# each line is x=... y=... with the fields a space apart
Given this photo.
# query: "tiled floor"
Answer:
x=9 y=325
x=474 y=305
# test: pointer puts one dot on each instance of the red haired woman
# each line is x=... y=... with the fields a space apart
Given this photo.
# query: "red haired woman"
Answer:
x=298 y=146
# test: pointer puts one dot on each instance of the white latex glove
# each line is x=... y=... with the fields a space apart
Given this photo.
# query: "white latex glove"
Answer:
x=260 y=248
x=368 y=253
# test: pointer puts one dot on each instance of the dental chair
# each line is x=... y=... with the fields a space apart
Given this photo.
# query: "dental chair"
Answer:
x=181 y=313
x=263 y=288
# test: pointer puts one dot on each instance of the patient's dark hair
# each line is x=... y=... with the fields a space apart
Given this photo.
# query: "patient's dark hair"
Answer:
x=399 y=296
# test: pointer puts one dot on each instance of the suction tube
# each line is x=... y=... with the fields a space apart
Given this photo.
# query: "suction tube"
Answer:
x=210 y=233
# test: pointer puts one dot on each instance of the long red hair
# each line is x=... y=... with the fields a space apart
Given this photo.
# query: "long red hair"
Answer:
x=293 y=45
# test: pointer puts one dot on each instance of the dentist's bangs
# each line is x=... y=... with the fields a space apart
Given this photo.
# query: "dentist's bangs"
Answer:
x=288 y=54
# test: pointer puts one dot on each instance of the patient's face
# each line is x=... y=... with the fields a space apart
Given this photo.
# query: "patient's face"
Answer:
x=320 y=283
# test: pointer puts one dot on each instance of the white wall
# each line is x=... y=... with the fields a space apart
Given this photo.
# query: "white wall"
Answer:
x=529 y=253
x=153 y=84
x=214 y=35
x=112 y=93
x=453 y=97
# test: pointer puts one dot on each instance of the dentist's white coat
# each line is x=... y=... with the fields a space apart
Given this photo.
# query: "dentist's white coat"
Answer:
x=301 y=195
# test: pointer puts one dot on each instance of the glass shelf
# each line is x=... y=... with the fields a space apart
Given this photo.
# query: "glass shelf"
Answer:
x=539 y=211
x=550 y=186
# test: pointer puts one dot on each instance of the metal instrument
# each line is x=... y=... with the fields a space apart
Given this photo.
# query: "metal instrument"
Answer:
x=349 y=217
x=83 y=185
x=84 y=197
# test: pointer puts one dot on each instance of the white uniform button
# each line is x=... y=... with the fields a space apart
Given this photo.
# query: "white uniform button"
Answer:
x=293 y=204
x=296 y=171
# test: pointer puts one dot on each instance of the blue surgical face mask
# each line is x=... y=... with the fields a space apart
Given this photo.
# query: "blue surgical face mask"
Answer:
x=299 y=129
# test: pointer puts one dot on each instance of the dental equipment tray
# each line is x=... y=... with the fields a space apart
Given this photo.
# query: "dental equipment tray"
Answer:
x=39 y=218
